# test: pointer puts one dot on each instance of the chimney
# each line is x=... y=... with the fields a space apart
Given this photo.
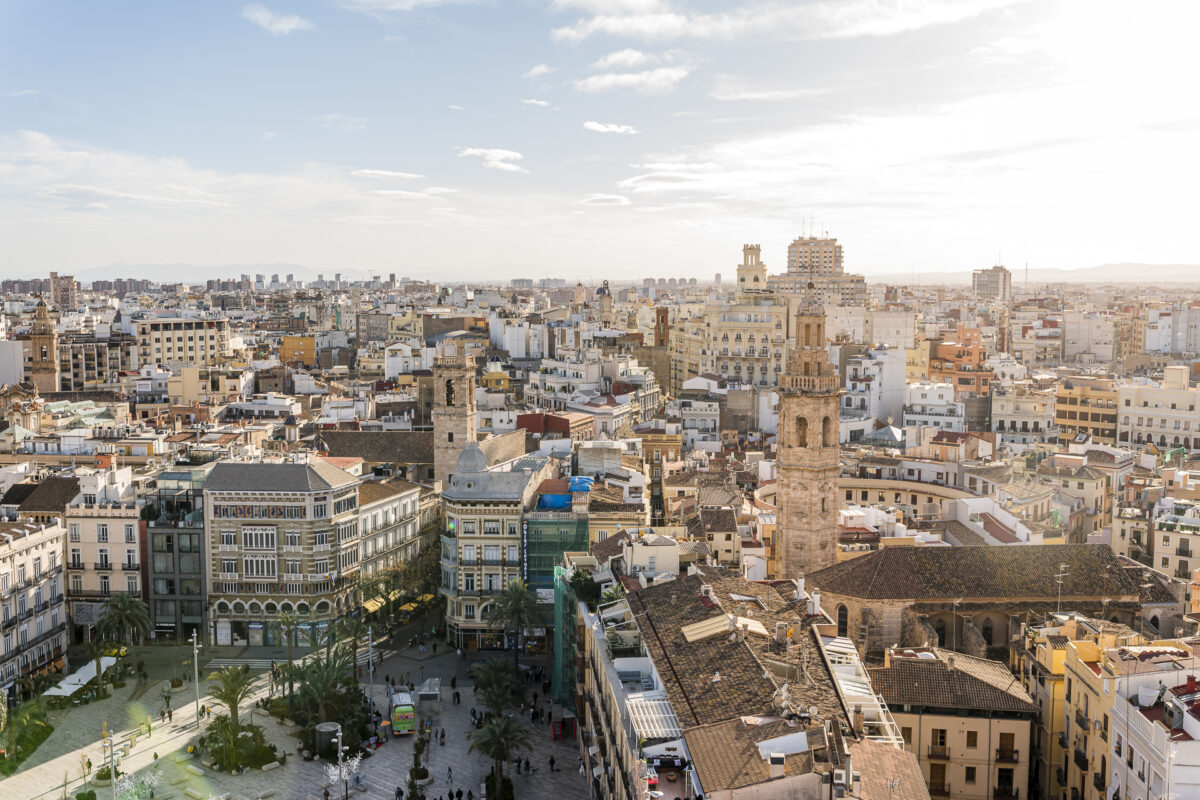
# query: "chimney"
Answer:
x=816 y=603
x=780 y=632
x=858 y=719
x=800 y=587
x=775 y=765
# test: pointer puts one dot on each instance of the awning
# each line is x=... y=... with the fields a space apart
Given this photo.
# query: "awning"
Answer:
x=425 y=598
x=372 y=605
x=408 y=607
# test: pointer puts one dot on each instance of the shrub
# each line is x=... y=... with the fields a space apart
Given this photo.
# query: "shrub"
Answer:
x=176 y=682
x=90 y=794
x=490 y=782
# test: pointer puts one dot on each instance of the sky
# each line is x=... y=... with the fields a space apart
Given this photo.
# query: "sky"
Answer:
x=466 y=141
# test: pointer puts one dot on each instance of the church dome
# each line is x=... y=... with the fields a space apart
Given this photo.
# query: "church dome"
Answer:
x=471 y=459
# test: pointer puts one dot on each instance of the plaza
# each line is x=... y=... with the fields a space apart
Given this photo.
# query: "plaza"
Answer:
x=78 y=729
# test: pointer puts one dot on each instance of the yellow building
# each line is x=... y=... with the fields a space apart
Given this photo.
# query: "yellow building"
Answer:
x=1086 y=405
x=965 y=718
x=298 y=351
x=916 y=363
x=497 y=381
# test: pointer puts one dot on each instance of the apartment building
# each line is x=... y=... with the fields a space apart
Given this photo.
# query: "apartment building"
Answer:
x=961 y=365
x=1087 y=338
x=874 y=391
x=280 y=537
x=33 y=615
x=1023 y=417
x=815 y=266
x=103 y=558
x=183 y=341
x=481 y=547
x=1086 y=405
x=87 y=360
x=389 y=522
x=964 y=718
x=177 y=554
x=1163 y=414
x=994 y=283
x=1074 y=478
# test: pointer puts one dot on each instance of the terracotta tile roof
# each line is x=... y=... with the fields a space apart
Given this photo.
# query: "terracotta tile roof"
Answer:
x=1025 y=572
x=726 y=754
x=51 y=494
x=880 y=764
x=951 y=680
x=610 y=547
x=379 y=447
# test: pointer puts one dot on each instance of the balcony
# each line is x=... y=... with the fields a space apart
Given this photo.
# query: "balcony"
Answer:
x=1005 y=793
x=1185 y=574
x=1184 y=550
x=1008 y=756
x=9 y=622
x=1081 y=760
x=106 y=566
x=1082 y=721
x=939 y=752
x=1060 y=775
x=130 y=566
x=939 y=790
x=1098 y=782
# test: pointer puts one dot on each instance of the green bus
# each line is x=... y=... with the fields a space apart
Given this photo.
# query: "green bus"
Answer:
x=404 y=718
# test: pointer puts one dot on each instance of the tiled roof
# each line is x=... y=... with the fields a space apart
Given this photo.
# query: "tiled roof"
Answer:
x=379 y=447
x=232 y=476
x=374 y=491
x=51 y=494
x=726 y=754
x=609 y=547
x=951 y=680
x=1025 y=572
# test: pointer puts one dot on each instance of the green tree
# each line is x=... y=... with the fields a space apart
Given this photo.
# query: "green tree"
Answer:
x=95 y=648
x=498 y=739
x=288 y=623
x=584 y=587
x=385 y=587
x=494 y=684
x=515 y=608
x=125 y=617
x=234 y=685
x=356 y=629
x=322 y=675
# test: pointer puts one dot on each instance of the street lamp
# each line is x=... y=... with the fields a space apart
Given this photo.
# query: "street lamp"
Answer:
x=106 y=739
x=195 y=640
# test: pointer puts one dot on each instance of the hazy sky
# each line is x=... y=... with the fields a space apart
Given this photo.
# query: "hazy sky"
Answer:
x=587 y=138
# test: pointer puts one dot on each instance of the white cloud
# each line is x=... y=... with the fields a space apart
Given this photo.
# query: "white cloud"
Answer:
x=652 y=81
x=824 y=19
x=605 y=200
x=23 y=92
x=384 y=173
x=269 y=135
x=342 y=122
x=532 y=102
x=608 y=127
x=381 y=6
x=455 y=108
x=538 y=71
x=494 y=158
x=730 y=88
x=273 y=23
x=625 y=58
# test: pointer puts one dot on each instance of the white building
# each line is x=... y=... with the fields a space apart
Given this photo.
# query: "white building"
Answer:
x=932 y=405
x=1164 y=414
x=1023 y=418
x=1087 y=338
x=875 y=390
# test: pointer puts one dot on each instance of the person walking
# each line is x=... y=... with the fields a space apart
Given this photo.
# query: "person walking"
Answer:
x=399 y=793
x=449 y=775
x=170 y=715
x=552 y=763
x=528 y=768
x=458 y=794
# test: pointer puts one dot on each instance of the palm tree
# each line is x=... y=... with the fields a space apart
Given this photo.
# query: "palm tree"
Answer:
x=497 y=739
x=124 y=616
x=494 y=684
x=95 y=652
x=515 y=608
x=322 y=675
x=288 y=623
x=234 y=685
x=356 y=628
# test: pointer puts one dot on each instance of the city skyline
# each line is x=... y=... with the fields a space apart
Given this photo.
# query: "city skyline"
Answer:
x=567 y=138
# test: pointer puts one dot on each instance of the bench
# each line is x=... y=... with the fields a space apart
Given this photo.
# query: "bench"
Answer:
x=192 y=793
x=178 y=779
x=266 y=794
x=271 y=766
x=192 y=768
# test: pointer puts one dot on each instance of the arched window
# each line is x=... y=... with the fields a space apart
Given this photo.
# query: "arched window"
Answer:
x=843 y=620
x=807 y=335
x=823 y=505
x=940 y=627
x=827 y=439
x=986 y=630
x=801 y=431
x=449 y=392
x=1154 y=621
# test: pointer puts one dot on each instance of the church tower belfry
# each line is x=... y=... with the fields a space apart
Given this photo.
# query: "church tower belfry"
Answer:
x=43 y=349
x=455 y=414
x=807 y=438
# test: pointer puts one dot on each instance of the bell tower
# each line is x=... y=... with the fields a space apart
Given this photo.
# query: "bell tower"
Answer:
x=455 y=415
x=809 y=392
x=43 y=347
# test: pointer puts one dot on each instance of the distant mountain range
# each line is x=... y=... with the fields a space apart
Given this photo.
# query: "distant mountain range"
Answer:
x=1105 y=273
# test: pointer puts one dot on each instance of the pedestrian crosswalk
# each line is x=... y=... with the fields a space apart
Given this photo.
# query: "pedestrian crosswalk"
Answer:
x=253 y=663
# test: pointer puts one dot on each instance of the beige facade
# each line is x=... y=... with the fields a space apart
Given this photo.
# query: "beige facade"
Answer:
x=964 y=756
x=455 y=414
x=808 y=451
x=183 y=341
x=281 y=537
x=103 y=558
x=34 y=616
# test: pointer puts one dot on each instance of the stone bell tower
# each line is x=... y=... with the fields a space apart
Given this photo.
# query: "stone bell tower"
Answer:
x=808 y=449
x=455 y=415
x=43 y=349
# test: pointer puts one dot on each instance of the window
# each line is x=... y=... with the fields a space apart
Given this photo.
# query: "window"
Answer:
x=970 y=775
x=257 y=538
x=229 y=565
x=972 y=738
x=938 y=737
x=228 y=539
x=906 y=734
x=469 y=611
x=129 y=538
x=73 y=531
x=293 y=539
x=131 y=584
x=102 y=533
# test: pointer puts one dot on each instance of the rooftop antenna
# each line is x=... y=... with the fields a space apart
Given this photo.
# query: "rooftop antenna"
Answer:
x=1058 y=578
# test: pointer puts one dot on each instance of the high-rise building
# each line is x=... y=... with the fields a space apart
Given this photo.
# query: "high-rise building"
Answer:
x=64 y=291
x=809 y=392
x=180 y=340
x=994 y=283
x=815 y=266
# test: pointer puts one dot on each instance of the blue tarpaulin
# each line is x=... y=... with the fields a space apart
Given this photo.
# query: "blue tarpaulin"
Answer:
x=581 y=483
x=555 y=501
